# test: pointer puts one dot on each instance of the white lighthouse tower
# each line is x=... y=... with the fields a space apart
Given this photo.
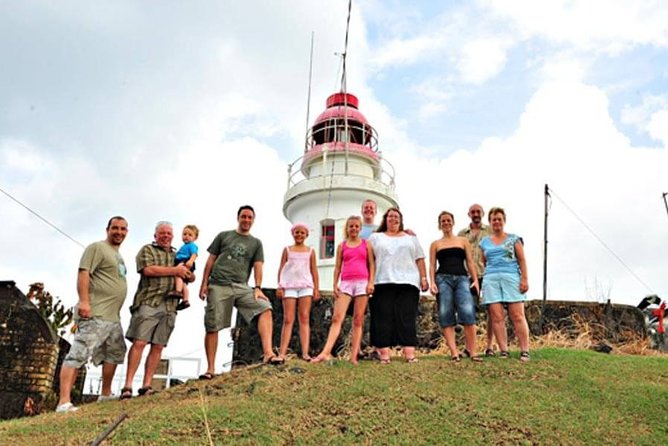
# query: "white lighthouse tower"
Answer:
x=341 y=167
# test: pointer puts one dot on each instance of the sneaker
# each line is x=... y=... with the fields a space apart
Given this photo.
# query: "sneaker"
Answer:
x=67 y=407
x=106 y=398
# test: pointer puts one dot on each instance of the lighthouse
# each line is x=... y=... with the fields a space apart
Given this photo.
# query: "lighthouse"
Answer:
x=340 y=168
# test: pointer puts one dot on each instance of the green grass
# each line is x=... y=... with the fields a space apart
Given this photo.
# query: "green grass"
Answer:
x=563 y=396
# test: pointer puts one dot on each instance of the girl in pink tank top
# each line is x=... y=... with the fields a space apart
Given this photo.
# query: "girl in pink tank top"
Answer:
x=298 y=284
x=355 y=266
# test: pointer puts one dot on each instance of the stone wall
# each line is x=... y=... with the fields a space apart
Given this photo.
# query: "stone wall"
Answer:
x=28 y=355
x=611 y=323
x=607 y=322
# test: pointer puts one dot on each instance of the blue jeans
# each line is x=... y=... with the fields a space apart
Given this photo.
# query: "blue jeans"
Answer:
x=455 y=302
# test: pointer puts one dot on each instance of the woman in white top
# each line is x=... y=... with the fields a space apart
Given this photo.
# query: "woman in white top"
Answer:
x=400 y=275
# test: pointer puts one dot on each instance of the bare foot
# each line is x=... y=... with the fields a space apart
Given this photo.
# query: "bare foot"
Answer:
x=321 y=358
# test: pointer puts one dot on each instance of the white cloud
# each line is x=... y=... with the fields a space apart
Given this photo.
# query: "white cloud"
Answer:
x=434 y=94
x=648 y=116
x=600 y=25
x=481 y=59
x=406 y=51
x=658 y=126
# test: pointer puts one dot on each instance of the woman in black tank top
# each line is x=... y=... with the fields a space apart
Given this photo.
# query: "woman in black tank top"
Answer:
x=450 y=283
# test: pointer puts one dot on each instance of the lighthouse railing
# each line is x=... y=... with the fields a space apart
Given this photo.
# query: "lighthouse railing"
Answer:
x=382 y=170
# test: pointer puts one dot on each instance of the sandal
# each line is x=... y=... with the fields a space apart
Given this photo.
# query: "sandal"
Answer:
x=146 y=391
x=456 y=358
x=524 y=356
x=274 y=360
x=503 y=354
x=126 y=393
x=182 y=305
x=490 y=353
x=476 y=358
x=412 y=360
x=175 y=295
x=384 y=361
x=208 y=376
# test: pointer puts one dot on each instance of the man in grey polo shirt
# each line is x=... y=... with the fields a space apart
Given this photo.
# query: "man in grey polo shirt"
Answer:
x=232 y=256
x=102 y=288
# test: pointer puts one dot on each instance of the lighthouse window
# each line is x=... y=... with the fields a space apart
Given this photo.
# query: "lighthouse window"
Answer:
x=327 y=242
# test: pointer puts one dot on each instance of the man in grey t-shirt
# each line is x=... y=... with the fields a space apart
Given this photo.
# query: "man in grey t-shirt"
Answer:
x=232 y=257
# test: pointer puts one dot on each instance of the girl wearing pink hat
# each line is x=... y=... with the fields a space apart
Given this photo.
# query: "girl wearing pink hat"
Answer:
x=298 y=284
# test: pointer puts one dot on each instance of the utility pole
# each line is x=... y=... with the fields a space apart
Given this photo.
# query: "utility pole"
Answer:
x=542 y=311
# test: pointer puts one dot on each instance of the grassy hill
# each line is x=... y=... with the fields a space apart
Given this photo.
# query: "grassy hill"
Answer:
x=563 y=396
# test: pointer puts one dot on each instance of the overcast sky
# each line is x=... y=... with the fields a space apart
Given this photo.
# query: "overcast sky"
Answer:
x=183 y=111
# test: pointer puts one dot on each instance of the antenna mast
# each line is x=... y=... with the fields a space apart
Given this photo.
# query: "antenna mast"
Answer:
x=308 y=96
x=344 y=89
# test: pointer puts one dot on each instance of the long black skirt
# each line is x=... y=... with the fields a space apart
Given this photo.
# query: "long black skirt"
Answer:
x=393 y=315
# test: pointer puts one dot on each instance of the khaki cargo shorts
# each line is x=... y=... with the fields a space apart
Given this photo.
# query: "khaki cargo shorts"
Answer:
x=151 y=324
x=221 y=300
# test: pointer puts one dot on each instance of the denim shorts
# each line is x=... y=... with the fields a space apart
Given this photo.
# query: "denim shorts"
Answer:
x=455 y=302
x=502 y=287
x=354 y=288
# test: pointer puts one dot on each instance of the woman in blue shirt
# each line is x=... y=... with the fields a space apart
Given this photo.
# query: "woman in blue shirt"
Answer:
x=505 y=282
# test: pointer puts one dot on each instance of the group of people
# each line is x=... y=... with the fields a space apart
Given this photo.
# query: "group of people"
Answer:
x=102 y=288
x=458 y=265
x=382 y=267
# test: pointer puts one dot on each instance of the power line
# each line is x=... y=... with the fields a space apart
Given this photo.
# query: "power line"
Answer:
x=600 y=240
x=40 y=217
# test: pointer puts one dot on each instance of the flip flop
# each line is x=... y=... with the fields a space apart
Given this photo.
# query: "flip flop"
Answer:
x=274 y=360
x=146 y=391
x=206 y=376
x=182 y=305
x=126 y=393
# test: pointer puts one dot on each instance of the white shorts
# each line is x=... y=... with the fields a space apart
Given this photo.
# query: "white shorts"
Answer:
x=354 y=288
x=296 y=293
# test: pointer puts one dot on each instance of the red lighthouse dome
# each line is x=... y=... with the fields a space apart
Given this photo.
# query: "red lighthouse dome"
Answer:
x=342 y=127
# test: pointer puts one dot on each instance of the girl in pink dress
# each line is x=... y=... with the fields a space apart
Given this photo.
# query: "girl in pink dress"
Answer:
x=298 y=284
x=355 y=267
